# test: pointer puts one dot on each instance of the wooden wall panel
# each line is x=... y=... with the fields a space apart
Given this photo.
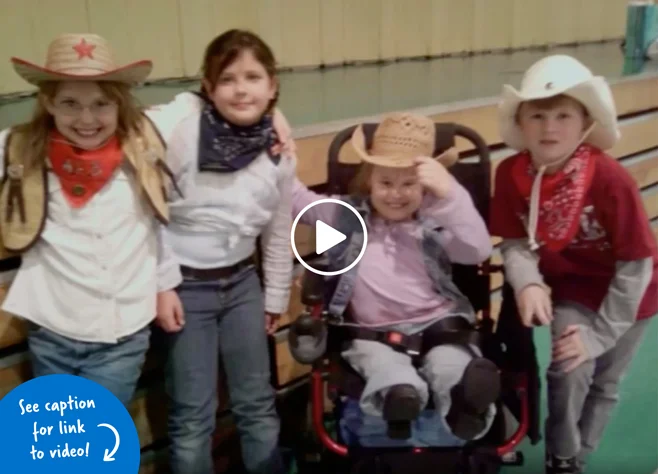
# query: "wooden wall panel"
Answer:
x=361 y=30
x=139 y=36
x=331 y=27
x=197 y=28
x=529 y=23
x=493 y=25
x=452 y=26
x=303 y=33
x=561 y=21
x=614 y=18
x=590 y=20
x=406 y=27
x=26 y=28
x=269 y=24
x=301 y=39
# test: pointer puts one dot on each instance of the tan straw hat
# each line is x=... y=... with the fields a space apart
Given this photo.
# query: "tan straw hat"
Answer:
x=399 y=139
x=552 y=76
x=81 y=57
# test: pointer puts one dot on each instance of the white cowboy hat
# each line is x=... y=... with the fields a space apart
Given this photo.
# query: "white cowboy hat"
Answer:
x=81 y=57
x=552 y=76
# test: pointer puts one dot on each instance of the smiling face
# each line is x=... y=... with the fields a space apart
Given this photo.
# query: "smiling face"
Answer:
x=395 y=193
x=552 y=128
x=83 y=113
x=243 y=91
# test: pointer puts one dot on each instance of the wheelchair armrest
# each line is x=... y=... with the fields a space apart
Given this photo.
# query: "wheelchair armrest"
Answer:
x=307 y=339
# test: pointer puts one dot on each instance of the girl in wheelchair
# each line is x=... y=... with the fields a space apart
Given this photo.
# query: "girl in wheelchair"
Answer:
x=419 y=221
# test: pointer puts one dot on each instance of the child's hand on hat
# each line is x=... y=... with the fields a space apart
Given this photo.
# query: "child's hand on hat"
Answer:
x=433 y=176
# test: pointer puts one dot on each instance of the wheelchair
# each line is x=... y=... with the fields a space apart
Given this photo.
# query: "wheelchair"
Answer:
x=504 y=341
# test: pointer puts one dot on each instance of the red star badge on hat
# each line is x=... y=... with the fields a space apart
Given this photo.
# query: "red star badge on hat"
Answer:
x=84 y=49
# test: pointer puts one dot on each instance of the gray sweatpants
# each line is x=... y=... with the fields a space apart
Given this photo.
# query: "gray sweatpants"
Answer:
x=580 y=403
x=382 y=367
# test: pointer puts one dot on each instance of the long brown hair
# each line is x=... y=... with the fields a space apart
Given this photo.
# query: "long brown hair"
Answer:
x=360 y=184
x=226 y=48
x=39 y=127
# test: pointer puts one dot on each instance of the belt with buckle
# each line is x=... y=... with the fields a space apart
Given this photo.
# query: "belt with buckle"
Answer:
x=216 y=273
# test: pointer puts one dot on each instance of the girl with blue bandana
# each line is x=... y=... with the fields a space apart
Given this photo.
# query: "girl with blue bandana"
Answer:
x=237 y=204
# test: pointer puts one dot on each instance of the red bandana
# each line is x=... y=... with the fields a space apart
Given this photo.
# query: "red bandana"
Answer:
x=562 y=195
x=82 y=173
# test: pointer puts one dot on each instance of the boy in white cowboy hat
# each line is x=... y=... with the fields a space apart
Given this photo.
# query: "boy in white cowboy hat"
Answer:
x=578 y=248
x=82 y=203
x=402 y=288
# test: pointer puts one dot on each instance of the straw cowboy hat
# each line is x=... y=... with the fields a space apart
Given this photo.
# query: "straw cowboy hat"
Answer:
x=552 y=76
x=81 y=57
x=399 y=139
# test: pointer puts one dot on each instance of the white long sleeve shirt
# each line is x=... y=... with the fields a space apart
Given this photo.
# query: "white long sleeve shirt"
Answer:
x=220 y=216
x=93 y=275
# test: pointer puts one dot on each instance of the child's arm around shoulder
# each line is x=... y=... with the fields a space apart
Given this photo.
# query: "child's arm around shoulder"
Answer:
x=302 y=197
x=166 y=117
x=465 y=236
x=276 y=250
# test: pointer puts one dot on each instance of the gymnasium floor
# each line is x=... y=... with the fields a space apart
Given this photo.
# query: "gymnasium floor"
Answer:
x=309 y=98
x=630 y=444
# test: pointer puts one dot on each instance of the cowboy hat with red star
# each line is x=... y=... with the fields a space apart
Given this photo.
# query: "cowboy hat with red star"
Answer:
x=81 y=57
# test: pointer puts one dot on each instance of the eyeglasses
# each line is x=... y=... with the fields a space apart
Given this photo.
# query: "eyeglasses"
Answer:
x=74 y=109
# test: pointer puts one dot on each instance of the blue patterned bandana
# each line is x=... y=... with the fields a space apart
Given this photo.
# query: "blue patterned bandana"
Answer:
x=224 y=147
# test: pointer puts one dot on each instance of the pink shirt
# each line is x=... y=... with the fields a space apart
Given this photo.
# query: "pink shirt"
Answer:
x=392 y=284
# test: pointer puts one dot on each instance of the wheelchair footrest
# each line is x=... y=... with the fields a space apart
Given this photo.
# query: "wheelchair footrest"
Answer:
x=399 y=429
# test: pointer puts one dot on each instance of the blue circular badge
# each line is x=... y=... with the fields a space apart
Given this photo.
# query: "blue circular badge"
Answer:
x=67 y=424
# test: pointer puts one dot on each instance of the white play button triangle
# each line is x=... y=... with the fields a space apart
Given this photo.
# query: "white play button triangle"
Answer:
x=326 y=237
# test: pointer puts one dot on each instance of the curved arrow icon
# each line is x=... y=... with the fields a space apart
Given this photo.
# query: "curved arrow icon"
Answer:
x=109 y=456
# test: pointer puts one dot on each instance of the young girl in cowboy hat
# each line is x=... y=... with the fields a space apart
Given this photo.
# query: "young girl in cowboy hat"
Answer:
x=236 y=199
x=81 y=202
x=578 y=248
x=402 y=284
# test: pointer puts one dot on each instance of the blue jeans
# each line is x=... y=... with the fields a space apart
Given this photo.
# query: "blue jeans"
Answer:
x=223 y=319
x=117 y=367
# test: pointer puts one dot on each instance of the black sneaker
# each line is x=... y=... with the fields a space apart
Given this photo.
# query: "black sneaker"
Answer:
x=401 y=407
x=555 y=465
x=478 y=388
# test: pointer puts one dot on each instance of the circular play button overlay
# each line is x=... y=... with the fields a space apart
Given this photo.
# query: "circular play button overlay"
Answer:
x=326 y=236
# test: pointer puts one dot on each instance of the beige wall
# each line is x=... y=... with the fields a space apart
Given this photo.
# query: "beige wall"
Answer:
x=302 y=32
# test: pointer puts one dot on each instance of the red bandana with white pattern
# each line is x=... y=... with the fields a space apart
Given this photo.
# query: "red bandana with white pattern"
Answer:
x=562 y=195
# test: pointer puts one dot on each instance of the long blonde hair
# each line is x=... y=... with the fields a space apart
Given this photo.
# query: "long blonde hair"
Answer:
x=39 y=127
